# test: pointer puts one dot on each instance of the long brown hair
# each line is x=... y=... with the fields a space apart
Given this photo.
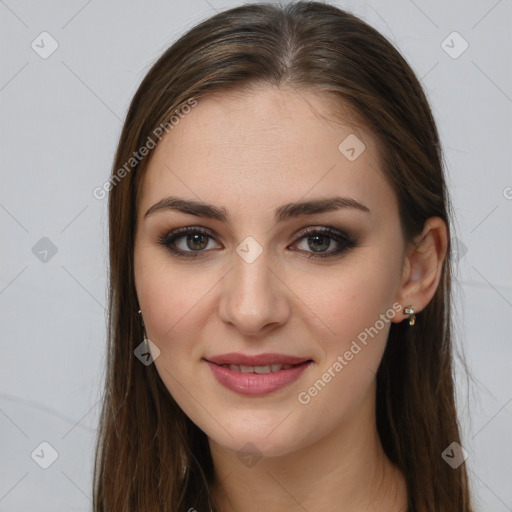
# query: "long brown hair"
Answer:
x=144 y=436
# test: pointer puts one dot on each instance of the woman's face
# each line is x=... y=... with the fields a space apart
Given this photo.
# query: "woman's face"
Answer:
x=248 y=288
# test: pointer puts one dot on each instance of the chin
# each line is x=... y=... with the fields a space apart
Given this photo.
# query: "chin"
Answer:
x=255 y=446
x=265 y=437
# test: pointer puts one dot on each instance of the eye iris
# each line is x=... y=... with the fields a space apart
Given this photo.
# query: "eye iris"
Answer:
x=317 y=245
x=196 y=239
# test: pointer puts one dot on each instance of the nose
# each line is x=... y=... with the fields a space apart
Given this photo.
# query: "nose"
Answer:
x=254 y=297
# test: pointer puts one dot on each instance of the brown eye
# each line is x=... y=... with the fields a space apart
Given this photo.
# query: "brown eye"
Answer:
x=318 y=240
x=192 y=242
x=196 y=242
x=188 y=242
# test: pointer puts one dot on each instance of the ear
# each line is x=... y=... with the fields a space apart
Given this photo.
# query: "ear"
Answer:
x=423 y=265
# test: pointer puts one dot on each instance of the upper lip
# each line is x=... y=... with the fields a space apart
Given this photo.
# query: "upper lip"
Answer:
x=256 y=360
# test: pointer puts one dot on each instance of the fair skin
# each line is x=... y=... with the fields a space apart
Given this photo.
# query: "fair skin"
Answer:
x=250 y=154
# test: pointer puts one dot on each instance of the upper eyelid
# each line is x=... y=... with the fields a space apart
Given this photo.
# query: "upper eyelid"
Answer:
x=328 y=231
x=183 y=231
x=345 y=239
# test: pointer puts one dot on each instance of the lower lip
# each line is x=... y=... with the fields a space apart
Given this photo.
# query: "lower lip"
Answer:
x=256 y=383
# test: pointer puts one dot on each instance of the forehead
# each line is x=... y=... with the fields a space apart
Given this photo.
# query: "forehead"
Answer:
x=262 y=147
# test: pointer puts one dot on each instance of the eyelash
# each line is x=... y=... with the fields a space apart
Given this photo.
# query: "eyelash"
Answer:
x=346 y=240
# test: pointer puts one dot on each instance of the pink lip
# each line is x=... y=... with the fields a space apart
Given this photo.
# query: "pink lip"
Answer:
x=257 y=360
x=257 y=383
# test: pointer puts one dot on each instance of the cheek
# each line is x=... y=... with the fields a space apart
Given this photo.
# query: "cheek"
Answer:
x=357 y=306
x=352 y=298
x=176 y=308
x=169 y=296
x=342 y=384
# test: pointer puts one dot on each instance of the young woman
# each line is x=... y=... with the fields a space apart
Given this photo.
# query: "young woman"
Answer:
x=279 y=324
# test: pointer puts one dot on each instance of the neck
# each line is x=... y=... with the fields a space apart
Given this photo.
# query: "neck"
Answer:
x=347 y=470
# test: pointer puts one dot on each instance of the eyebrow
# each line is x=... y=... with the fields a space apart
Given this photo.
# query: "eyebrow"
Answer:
x=281 y=214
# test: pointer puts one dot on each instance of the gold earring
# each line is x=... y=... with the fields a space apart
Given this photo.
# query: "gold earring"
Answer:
x=409 y=310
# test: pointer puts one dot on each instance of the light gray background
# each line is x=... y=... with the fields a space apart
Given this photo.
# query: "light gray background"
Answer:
x=60 y=121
